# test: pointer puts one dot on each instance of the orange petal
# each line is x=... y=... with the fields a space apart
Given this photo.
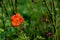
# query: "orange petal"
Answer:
x=18 y=15
x=15 y=24
x=13 y=17
x=21 y=20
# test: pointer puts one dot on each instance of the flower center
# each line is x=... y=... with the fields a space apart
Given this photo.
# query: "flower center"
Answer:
x=16 y=20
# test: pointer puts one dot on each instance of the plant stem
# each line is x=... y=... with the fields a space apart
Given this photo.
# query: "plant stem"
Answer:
x=54 y=25
x=12 y=6
x=49 y=15
x=3 y=17
x=16 y=5
x=53 y=7
x=3 y=4
x=49 y=12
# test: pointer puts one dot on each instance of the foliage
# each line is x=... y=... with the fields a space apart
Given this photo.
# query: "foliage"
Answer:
x=41 y=19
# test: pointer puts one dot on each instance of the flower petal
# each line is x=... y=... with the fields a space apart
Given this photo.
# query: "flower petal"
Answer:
x=15 y=24
x=18 y=15
x=13 y=17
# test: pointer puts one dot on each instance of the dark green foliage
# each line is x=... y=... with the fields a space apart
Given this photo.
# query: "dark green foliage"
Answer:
x=41 y=19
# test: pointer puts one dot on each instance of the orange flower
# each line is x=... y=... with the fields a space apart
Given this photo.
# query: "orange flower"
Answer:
x=17 y=19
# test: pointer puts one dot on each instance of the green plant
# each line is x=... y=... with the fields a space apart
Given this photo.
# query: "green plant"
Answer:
x=37 y=20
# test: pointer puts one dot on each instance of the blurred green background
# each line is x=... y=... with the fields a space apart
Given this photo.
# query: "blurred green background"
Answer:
x=41 y=19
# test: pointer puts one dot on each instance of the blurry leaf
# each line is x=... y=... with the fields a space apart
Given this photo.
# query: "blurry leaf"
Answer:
x=25 y=23
x=1 y=30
